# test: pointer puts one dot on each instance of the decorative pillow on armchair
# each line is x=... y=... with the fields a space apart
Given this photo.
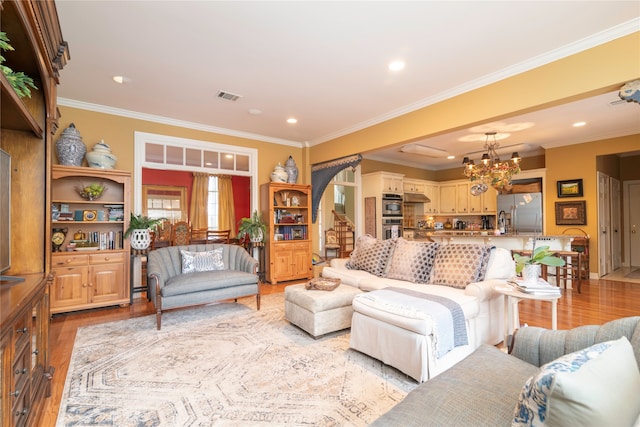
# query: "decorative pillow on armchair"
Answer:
x=596 y=386
x=412 y=261
x=371 y=255
x=458 y=264
x=202 y=261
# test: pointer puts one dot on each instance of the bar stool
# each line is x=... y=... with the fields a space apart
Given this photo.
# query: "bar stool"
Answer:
x=572 y=269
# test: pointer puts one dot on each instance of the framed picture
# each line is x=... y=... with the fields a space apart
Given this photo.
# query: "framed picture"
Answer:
x=297 y=233
x=570 y=188
x=571 y=213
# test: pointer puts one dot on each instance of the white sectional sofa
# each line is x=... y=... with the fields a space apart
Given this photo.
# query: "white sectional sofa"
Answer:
x=403 y=336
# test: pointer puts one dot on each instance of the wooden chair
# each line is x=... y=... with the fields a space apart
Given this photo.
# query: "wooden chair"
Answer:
x=161 y=236
x=331 y=243
x=218 y=236
x=180 y=234
x=199 y=236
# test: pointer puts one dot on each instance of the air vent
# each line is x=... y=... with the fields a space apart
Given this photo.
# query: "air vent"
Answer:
x=228 y=96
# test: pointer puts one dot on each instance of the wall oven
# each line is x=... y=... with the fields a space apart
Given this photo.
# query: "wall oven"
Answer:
x=391 y=228
x=391 y=205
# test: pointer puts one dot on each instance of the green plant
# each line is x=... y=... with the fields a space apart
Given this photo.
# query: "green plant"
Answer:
x=141 y=222
x=540 y=255
x=18 y=80
x=252 y=226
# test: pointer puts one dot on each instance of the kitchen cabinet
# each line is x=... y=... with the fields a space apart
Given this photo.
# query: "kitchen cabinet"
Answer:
x=462 y=198
x=432 y=191
x=376 y=183
x=448 y=201
x=96 y=273
x=413 y=186
x=286 y=209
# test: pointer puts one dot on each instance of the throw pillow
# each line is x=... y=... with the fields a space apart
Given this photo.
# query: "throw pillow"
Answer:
x=458 y=264
x=202 y=261
x=412 y=261
x=371 y=255
x=596 y=386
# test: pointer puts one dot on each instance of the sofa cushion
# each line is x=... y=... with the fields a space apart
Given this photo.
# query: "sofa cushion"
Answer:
x=458 y=264
x=501 y=265
x=371 y=254
x=201 y=261
x=412 y=261
x=207 y=281
x=586 y=388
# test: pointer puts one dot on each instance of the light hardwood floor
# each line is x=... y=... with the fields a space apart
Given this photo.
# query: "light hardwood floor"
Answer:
x=599 y=302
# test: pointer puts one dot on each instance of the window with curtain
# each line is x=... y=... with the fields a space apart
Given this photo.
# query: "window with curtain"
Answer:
x=212 y=204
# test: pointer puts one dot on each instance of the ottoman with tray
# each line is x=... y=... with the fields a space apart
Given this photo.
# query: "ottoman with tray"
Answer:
x=319 y=312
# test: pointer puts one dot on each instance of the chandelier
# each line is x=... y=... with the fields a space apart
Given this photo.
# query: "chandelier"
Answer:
x=491 y=170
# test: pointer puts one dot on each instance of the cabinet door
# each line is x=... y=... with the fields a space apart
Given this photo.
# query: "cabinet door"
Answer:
x=282 y=263
x=69 y=287
x=107 y=283
x=462 y=198
x=448 y=199
x=490 y=201
x=301 y=261
x=433 y=193
x=391 y=184
x=475 y=203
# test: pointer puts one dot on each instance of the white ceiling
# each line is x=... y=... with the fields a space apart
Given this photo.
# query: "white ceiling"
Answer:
x=325 y=63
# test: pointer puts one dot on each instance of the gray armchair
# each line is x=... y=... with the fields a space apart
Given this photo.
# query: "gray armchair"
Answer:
x=483 y=389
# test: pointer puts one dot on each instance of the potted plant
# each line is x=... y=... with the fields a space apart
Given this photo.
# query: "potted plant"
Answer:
x=530 y=266
x=252 y=227
x=139 y=227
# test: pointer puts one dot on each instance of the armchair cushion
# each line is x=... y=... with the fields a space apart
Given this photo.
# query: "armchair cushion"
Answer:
x=585 y=387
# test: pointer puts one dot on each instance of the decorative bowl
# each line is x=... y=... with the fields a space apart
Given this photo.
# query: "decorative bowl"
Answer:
x=92 y=191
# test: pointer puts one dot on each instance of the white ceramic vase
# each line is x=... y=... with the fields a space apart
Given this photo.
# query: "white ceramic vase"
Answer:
x=140 y=239
x=279 y=174
x=257 y=236
x=531 y=272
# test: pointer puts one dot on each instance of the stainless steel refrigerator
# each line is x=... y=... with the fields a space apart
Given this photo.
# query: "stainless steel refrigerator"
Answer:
x=520 y=213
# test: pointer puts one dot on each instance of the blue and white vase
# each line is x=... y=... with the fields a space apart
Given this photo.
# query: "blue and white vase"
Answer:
x=279 y=174
x=292 y=170
x=70 y=148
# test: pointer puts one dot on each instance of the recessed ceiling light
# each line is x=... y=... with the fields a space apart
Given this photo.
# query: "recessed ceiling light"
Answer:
x=396 y=65
x=255 y=111
x=121 y=79
x=451 y=157
x=579 y=124
x=292 y=120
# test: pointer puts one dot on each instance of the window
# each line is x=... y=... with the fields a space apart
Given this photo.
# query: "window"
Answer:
x=162 y=201
x=212 y=203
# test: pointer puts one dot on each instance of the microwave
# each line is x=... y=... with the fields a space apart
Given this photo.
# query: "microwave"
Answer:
x=391 y=205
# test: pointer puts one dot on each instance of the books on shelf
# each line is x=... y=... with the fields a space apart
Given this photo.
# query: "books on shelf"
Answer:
x=539 y=287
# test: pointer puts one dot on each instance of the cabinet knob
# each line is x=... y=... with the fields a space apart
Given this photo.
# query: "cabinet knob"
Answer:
x=15 y=393
x=36 y=352
x=107 y=258
x=22 y=331
x=21 y=371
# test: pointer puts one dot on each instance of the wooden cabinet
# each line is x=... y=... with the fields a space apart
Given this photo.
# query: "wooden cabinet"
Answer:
x=28 y=125
x=413 y=186
x=376 y=183
x=25 y=373
x=432 y=191
x=96 y=274
x=286 y=208
x=462 y=198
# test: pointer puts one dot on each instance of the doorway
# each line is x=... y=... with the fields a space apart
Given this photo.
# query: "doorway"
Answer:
x=631 y=209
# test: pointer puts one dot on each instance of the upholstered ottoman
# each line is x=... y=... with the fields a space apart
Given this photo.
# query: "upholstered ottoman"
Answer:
x=319 y=312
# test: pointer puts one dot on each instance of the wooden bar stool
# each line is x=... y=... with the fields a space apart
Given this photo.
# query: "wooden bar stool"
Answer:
x=572 y=269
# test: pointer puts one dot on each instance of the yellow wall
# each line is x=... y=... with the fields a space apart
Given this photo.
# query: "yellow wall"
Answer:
x=118 y=132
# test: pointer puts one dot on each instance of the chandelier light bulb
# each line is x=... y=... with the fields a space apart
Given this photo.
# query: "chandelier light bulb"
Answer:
x=491 y=170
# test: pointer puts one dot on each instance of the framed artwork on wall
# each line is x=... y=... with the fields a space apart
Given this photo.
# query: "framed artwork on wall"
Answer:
x=571 y=213
x=570 y=188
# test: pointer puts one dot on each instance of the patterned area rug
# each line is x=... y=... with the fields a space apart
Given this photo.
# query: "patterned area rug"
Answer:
x=224 y=365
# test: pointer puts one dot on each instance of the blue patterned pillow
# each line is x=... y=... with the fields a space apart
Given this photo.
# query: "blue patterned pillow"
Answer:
x=371 y=255
x=596 y=386
x=458 y=264
x=202 y=261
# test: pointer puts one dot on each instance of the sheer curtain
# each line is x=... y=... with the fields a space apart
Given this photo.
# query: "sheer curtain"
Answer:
x=199 y=199
x=226 y=211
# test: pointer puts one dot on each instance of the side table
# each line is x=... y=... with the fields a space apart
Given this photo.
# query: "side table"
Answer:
x=256 y=250
x=511 y=313
x=137 y=270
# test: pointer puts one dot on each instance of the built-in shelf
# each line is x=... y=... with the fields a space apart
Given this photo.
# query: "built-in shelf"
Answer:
x=15 y=115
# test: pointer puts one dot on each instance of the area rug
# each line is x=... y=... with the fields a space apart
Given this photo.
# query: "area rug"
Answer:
x=223 y=365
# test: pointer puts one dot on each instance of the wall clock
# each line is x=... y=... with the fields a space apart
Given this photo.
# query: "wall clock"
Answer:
x=57 y=238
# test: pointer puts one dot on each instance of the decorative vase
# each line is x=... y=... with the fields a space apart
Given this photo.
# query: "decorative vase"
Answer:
x=101 y=157
x=256 y=236
x=292 y=170
x=279 y=174
x=140 y=239
x=531 y=272
x=70 y=148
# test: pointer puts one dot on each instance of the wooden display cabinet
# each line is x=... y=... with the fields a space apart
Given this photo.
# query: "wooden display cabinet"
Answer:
x=287 y=212
x=97 y=275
